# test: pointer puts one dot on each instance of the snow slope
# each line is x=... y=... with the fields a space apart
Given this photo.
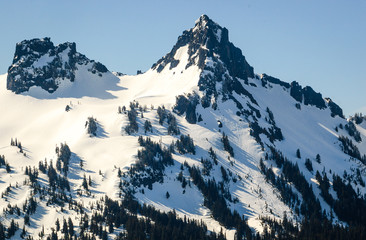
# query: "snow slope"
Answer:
x=38 y=119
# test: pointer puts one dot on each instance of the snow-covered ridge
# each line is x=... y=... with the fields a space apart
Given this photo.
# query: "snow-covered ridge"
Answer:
x=203 y=90
x=38 y=63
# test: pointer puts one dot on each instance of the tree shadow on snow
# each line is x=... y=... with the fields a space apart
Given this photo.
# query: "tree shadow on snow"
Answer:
x=101 y=133
x=74 y=167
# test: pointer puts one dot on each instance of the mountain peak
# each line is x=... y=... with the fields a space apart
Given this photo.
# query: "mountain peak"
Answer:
x=209 y=32
x=205 y=40
x=204 y=21
x=38 y=62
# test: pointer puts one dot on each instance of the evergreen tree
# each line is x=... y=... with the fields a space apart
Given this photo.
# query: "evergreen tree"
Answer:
x=185 y=145
x=161 y=114
x=92 y=126
x=64 y=227
x=309 y=165
x=227 y=145
x=12 y=229
x=71 y=227
x=22 y=235
x=132 y=126
x=172 y=125
x=2 y=231
x=298 y=154
x=7 y=167
x=318 y=159
x=57 y=223
x=85 y=183
x=147 y=126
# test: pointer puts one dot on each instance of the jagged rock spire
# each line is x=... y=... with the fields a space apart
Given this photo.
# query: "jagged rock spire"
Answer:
x=208 y=39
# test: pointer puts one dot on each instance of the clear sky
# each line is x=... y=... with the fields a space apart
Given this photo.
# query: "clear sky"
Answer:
x=321 y=43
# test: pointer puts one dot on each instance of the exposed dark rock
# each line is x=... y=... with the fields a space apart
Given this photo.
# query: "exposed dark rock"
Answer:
x=219 y=123
x=187 y=104
x=307 y=94
x=313 y=98
x=208 y=41
x=118 y=74
x=174 y=63
x=38 y=62
x=296 y=91
x=334 y=108
x=205 y=101
x=181 y=105
x=298 y=106
x=274 y=80
x=100 y=67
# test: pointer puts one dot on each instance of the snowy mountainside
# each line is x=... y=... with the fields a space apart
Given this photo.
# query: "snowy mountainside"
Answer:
x=199 y=133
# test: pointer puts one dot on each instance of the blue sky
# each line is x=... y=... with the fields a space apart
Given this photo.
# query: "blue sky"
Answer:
x=317 y=43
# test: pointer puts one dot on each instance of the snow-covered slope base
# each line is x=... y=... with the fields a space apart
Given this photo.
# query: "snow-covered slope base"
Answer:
x=95 y=133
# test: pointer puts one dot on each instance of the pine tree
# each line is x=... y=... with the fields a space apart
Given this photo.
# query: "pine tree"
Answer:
x=22 y=235
x=318 y=159
x=309 y=165
x=2 y=231
x=57 y=225
x=41 y=234
x=64 y=227
x=147 y=126
x=298 y=154
x=227 y=145
x=71 y=227
x=81 y=164
x=85 y=183
x=91 y=123
x=7 y=167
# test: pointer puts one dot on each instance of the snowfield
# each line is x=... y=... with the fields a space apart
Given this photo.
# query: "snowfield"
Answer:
x=40 y=121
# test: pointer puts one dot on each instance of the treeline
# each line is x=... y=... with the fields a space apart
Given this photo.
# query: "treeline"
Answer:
x=273 y=133
x=162 y=114
x=215 y=201
x=166 y=225
x=110 y=215
x=312 y=228
x=349 y=206
x=358 y=118
x=352 y=131
x=351 y=149
x=153 y=155
x=137 y=221
x=152 y=160
x=185 y=145
x=291 y=173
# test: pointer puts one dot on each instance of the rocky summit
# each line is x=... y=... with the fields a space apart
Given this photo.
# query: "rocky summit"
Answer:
x=37 y=62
